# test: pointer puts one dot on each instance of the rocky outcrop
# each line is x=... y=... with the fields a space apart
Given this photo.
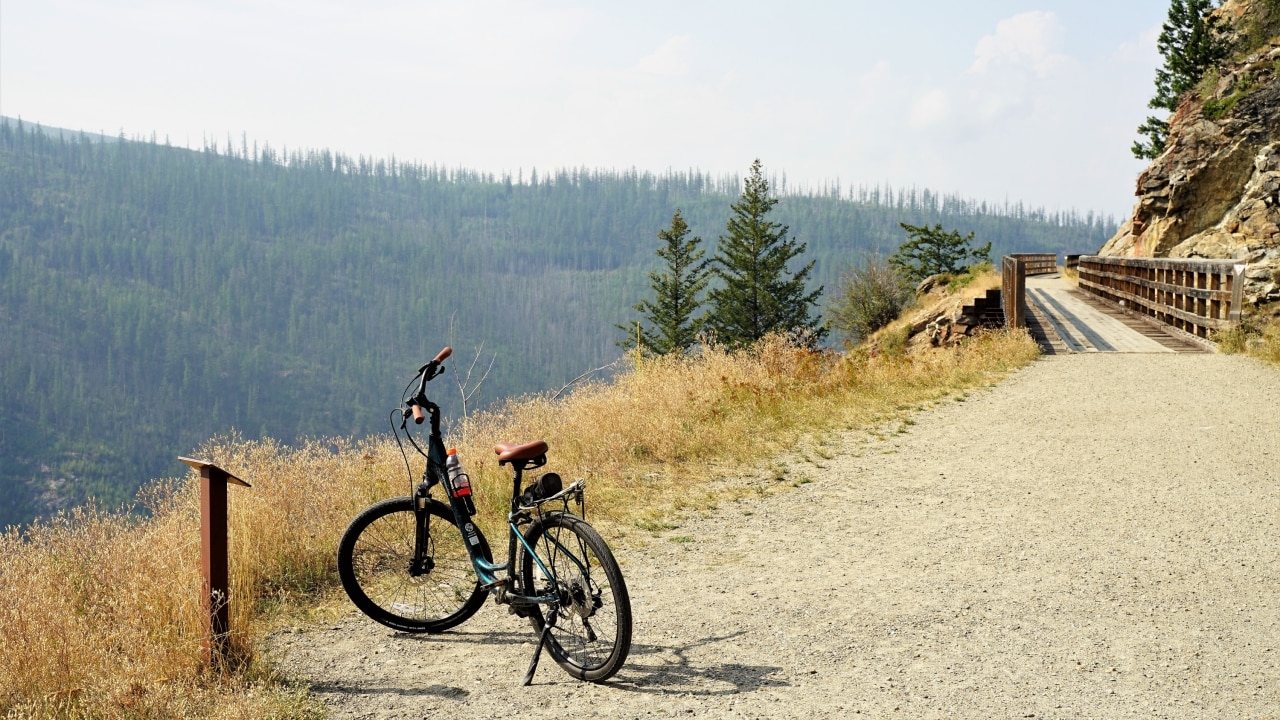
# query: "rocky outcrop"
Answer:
x=946 y=317
x=1215 y=191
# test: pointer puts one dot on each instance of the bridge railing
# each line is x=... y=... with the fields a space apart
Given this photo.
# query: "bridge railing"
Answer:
x=1038 y=263
x=1013 y=290
x=1195 y=296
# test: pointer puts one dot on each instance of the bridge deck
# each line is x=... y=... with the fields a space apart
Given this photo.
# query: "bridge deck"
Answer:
x=1068 y=320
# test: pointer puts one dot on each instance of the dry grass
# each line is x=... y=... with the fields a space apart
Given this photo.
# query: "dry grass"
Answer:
x=1258 y=336
x=101 y=619
x=100 y=615
x=667 y=425
x=1267 y=346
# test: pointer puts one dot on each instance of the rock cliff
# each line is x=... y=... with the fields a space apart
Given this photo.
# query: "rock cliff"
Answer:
x=1215 y=191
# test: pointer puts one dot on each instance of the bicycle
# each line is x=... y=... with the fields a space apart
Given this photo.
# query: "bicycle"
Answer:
x=416 y=564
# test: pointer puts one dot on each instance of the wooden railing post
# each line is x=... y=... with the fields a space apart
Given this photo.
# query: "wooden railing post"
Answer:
x=1013 y=291
x=213 y=555
x=1237 y=293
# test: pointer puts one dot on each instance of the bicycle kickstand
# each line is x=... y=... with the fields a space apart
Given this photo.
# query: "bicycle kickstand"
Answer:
x=537 y=652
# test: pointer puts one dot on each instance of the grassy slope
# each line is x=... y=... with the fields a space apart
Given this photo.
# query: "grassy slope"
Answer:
x=100 y=612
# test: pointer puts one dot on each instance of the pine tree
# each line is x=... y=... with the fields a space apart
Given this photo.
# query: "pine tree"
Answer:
x=759 y=295
x=670 y=314
x=1191 y=44
x=929 y=251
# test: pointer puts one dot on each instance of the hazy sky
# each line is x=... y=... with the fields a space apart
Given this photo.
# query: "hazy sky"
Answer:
x=999 y=99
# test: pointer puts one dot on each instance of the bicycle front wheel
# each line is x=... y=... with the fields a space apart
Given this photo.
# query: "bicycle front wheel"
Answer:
x=591 y=623
x=399 y=588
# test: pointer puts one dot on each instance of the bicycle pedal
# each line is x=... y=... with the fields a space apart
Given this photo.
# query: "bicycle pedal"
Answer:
x=496 y=583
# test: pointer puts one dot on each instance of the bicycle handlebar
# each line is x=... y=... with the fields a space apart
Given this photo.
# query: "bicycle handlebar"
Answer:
x=427 y=372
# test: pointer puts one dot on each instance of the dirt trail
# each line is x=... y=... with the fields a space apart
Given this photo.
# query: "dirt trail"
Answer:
x=1096 y=537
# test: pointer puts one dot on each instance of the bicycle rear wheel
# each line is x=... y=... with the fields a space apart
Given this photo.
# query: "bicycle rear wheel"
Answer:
x=381 y=576
x=591 y=625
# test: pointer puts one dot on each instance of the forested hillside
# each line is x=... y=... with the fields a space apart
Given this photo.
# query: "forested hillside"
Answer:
x=152 y=296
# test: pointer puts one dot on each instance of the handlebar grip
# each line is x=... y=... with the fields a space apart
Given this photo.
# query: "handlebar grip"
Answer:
x=418 y=415
x=444 y=354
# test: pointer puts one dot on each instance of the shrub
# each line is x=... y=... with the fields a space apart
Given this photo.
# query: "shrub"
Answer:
x=1208 y=84
x=1218 y=109
x=869 y=296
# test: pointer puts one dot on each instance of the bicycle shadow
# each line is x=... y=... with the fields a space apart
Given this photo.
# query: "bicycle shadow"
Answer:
x=356 y=689
x=650 y=668
x=477 y=637
x=665 y=669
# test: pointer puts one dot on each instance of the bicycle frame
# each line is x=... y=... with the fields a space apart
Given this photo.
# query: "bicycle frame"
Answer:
x=488 y=572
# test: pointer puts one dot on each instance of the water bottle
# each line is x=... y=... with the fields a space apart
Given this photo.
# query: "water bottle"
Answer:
x=459 y=483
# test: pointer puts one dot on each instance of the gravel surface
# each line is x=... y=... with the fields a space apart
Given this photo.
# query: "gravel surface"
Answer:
x=1095 y=537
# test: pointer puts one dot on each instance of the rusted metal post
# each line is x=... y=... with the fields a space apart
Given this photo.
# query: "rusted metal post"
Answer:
x=213 y=554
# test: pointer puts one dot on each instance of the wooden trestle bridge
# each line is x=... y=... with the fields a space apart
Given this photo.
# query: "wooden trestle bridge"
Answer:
x=1121 y=305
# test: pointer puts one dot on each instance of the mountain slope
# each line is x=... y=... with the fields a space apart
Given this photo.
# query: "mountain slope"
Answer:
x=152 y=296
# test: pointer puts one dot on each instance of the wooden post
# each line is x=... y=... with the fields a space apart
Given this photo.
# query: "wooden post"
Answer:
x=1013 y=291
x=213 y=554
x=1237 y=293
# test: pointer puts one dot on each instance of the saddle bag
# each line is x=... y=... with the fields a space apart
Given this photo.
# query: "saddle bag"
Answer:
x=544 y=487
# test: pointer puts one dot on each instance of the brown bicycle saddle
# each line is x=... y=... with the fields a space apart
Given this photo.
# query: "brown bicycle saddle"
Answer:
x=514 y=451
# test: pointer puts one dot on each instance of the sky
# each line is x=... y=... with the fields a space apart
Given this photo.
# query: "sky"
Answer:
x=996 y=100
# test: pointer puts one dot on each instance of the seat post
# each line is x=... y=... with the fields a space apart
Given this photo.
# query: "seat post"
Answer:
x=517 y=472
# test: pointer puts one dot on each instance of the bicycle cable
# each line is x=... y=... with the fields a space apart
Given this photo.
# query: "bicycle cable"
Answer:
x=395 y=434
x=408 y=436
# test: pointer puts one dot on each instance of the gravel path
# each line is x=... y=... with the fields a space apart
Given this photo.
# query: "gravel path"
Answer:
x=1096 y=537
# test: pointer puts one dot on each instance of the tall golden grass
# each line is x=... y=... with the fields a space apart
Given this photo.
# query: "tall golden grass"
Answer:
x=100 y=614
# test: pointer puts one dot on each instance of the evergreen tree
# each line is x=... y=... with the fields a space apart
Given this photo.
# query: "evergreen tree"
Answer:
x=1191 y=44
x=759 y=295
x=929 y=251
x=672 y=326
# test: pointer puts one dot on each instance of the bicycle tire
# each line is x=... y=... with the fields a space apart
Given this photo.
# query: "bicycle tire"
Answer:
x=374 y=560
x=592 y=632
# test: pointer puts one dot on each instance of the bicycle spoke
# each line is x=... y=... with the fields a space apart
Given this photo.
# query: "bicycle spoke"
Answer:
x=591 y=623
x=378 y=568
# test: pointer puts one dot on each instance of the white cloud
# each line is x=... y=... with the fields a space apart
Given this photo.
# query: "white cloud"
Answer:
x=929 y=109
x=1028 y=40
x=672 y=59
x=870 y=85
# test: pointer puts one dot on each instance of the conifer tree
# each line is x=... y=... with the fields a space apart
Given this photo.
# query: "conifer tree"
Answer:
x=759 y=295
x=931 y=250
x=1191 y=44
x=670 y=314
